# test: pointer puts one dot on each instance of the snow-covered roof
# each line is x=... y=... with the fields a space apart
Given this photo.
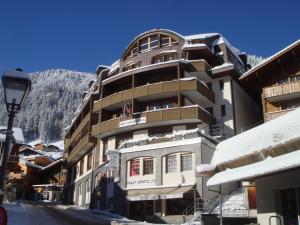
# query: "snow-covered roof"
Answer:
x=271 y=134
x=222 y=68
x=114 y=66
x=268 y=166
x=270 y=59
x=18 y=135
x=59 y=144
x=200 y=36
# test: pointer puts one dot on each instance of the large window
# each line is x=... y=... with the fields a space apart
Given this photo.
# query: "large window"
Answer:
x=163 y=58
x=171 y=164
x=148 y=166
x=135 y=167
x=186 y=162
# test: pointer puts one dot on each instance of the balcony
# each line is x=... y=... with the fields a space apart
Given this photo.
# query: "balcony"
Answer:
x=191 y=87
x=153 y=118
x=282 y=92
x=272 y=115
x=84 y=145
x=77 y=131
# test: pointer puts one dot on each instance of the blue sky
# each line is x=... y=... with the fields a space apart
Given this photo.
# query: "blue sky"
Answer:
x=80 y=35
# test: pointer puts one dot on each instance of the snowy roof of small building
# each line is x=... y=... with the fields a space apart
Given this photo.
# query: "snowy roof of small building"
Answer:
x=268 y=166
x=270 y=59
x=266 y=136
x=59 y=144
x=18 y=135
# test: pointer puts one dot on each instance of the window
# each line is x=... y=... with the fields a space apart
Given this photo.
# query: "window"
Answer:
x=171 y=164
x=89 y=161
x=153 y=41
x=87 y=186
x=135 y=167
x=131 y=66
x=186 y=162
x=223 y=111
x=81 y=167
x=105 y=147
x=164 y=40
x=148 y=166
x=221 y=84
x=163 y=58
x=80 y=189
x=144 y=45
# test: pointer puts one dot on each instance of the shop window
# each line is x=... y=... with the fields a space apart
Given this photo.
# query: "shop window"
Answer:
x=148 y=166
x=171 y=164
x=89 y=161
x=135 y=167
x=186 y=162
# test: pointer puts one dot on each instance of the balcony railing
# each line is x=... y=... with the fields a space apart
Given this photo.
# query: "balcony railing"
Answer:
x=79 y=148
x=272 y=115
x=194 y=113
x=160 y=88
x=281 y=89
x=77 y=131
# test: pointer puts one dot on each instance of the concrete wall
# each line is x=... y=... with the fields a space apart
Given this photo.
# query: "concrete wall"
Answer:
x=268 y=194
x=247 y=111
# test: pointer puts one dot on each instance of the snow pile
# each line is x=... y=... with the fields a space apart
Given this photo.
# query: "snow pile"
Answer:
x=176 y=135
x=271 y=134
x=268 y=166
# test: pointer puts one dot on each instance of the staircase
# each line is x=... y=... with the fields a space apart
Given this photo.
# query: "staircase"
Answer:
x=233 y=205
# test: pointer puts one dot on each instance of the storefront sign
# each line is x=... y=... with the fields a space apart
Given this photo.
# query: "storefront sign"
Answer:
x=134 y=121
x=141 y=182
x=171 y=196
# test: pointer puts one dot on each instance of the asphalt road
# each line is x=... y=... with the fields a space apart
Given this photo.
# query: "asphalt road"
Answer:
x=36 y=213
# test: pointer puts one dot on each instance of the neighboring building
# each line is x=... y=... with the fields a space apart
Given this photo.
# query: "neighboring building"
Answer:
x=267 y=158
x=36 y=167
x=277 y=80
x=162 y=106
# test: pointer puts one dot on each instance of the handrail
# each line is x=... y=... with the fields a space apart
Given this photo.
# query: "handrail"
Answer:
x=277 y=217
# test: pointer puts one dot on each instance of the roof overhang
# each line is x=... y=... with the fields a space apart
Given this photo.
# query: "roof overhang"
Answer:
x=269 y=166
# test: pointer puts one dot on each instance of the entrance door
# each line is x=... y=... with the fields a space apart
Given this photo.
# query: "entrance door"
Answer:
x=289 y=206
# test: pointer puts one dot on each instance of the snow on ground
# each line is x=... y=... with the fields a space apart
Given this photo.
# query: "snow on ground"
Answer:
x=20 y=214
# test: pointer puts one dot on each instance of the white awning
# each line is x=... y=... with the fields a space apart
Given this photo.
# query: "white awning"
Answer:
x=262 y=168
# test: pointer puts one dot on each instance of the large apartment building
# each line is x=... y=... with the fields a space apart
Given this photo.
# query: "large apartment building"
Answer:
x=162 y=106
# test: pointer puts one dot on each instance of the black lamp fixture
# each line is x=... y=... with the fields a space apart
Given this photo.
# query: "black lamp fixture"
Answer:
x=16 y=85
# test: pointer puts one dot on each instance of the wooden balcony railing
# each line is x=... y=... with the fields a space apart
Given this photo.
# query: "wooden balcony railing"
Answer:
x=281 y=89
x=273 y=115
x=82 y=124
x=78 y=148
x=173 y=114
x=155 y=89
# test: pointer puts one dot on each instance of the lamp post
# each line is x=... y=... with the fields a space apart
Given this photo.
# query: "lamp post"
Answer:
x=16 y=85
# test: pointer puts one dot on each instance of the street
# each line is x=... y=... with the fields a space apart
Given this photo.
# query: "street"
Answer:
x=41 y=213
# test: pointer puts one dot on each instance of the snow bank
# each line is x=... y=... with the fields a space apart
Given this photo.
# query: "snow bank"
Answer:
x=266 y=136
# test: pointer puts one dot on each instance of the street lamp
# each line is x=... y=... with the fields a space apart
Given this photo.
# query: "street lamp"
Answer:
x=16 y=85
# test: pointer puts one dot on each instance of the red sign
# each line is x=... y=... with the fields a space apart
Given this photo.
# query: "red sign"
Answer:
x=3 y=216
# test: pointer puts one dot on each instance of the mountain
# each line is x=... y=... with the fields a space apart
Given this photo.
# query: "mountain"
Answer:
x=50 y=106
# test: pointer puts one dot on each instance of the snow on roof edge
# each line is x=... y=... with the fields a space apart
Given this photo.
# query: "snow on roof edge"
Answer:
x=269 y=59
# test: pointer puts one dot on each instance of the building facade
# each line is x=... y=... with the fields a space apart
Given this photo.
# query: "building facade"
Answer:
x=277 y=81
x=162 y=106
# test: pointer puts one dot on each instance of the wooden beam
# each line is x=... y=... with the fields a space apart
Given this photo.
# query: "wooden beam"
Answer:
x=296 y=59
x=281 y=67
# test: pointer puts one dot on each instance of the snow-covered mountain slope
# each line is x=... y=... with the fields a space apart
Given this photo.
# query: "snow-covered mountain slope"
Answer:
x=55 y=96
